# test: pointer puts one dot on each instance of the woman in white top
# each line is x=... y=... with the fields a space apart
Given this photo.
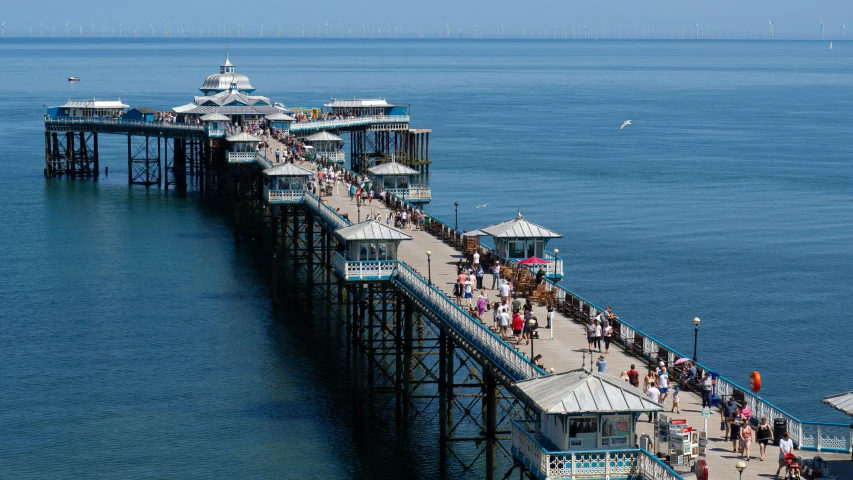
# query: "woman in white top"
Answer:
x=608 y=331
x=596 y=336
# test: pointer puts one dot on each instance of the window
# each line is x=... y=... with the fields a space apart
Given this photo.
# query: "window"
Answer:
x=583 y=432
x=516 y=249
x=615 y=431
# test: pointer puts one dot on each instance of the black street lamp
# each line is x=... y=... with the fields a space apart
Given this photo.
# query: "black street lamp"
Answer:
x=695 y=337
x=429 y=267
x=456 y=227
x=358 y=206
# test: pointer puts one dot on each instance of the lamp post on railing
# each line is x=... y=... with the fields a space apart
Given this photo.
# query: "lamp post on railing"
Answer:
x=456 y=226
x=740 y=466
x=429 y=267
x=695 y=337
x=556 y=251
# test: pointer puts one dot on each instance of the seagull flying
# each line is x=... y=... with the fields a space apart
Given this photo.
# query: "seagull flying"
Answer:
x=625 y=124
x=482 y=206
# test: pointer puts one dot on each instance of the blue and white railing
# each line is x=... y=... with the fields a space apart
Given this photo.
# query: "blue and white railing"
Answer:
x=325 y=212
x=594 y=464
x=807 y=435
x=365 y=270
x=501 y=354
x=283 y=197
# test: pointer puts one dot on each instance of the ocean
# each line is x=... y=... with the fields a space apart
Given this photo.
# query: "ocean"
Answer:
x=139 y=340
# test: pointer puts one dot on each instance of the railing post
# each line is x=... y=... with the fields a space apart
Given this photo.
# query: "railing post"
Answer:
x=817 y=441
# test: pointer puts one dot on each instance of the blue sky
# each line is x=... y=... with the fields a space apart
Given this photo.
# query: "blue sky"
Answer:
x=789 y=15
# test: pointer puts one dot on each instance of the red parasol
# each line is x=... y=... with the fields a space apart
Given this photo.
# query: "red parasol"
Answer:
x=534 y=261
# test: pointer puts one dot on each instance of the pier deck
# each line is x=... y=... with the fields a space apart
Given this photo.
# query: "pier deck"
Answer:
x=566 y=350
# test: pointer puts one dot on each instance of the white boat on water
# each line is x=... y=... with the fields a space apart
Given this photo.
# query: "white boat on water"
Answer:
x=73 y=79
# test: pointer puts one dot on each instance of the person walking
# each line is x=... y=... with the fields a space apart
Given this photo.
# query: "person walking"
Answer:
x=496 y=274
x=654 y=395
x=650 y=379
x=517 y=327
x=504 y=319
x=475 y=259
x=550 y=315
x=745 y=439
x=479 y=274
x=726 y=413
x=468 y=292
x=607 y=331
x=676 y=400
x=763 y=436
x=735 y=429
x=706 y=387
x=482 y=304
x=663 y=383
x=786 y=446
x=590 y=333
x=458 y=291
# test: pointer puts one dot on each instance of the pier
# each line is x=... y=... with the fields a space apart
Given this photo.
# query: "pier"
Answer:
x=410 y=344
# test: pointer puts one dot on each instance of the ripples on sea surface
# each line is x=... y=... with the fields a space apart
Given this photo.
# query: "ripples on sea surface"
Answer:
x=140 y=341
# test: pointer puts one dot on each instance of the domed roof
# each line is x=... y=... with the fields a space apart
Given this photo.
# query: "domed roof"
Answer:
x=219 y=82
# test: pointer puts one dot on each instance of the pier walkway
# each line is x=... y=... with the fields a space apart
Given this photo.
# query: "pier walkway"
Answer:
x=564 y=347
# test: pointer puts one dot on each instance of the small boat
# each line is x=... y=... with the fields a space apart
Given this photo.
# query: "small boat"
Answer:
x=73 y=79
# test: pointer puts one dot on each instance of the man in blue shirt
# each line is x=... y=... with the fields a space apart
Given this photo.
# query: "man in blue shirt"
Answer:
x=601 y=364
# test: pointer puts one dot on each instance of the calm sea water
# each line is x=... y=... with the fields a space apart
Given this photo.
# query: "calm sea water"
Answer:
x=138 y=340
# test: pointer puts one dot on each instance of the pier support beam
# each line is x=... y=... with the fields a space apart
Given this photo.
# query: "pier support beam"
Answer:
x=490 y=415
x=143 y=160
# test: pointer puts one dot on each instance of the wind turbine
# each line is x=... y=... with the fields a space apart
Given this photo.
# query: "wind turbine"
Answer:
x=844 y=32
x=821 y=30
x=3 y=29
x=66 y=29
x=262 y=30
x=770 y=22
x=151 y=26
x=53 y=31
x=41 y=28
x=697 y=30
x=81 y=29
x=136 y=31
x=119 y=28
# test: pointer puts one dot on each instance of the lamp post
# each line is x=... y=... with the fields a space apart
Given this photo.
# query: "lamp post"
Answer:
x=429 y=267
x=358 y=207
x=456 y=227
x=531 y=323
x=740 y=466
x=556 y=252
x=695 y=337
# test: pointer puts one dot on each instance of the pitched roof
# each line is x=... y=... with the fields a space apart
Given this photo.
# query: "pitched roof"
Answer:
x=94 y=104
x=370 y=230
x=357 y=102
x=323 y=137
x=580 y=391
x=518 y=227
x=392 y=168
x=287 y=170
x=214 y=117
x=280 y=117
x=242 y=137
x=143 y=110
x=842 y=402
